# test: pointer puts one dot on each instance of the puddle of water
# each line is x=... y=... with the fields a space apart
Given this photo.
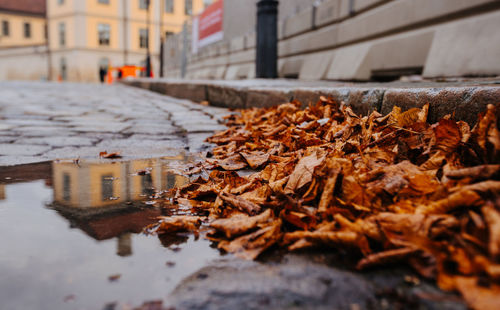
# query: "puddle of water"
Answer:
x=70 y=236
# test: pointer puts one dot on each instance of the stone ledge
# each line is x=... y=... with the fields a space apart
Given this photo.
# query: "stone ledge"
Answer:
x=464 y=99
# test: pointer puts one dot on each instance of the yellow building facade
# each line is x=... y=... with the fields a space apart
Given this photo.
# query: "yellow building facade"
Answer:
x=102 y=184
x=85 y=35
x=18 y=29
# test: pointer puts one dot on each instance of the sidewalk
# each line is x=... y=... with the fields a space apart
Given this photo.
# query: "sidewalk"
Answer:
x=41 y=121
x=464 y=97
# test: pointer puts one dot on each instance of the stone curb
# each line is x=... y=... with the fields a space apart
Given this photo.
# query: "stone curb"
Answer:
x=464 y=101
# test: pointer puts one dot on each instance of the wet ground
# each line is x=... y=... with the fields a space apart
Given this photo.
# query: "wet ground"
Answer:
x=71 y=235
x=70 y=230
x=42 y=121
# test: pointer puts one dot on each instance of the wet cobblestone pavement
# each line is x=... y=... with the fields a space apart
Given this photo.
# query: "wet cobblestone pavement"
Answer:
x=71 y=230
x=46 y=121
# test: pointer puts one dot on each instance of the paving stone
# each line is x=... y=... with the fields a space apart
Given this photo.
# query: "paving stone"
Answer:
x=143 y=144
x=5 y=127
x=230 y=284
x=141 y=136
x=154 y=129
x=22 y=149
x=8 y=139
x=58 y=141
x=104 y=127
x=465 y=103
x=21 y=160
x=46 y=121
x=200 y=127
x=196 y=142
x=102 y=135
x=28 y=122
x=48 y=132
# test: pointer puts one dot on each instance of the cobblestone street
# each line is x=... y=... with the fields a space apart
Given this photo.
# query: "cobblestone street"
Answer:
x=46 y=121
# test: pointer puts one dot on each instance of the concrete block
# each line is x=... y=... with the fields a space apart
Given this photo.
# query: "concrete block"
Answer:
x=237 y=44
x=244 y=71
x=291 y=67
x=212 y=51
x=243 y=56
x=281 y=28
x=453 y=51
x=230 y=97
x=220 y=61
x=266 y=98
x=398 y=14
x=362 y=100
x=326 y=13
x=315 y=66
x=299 y=23
x=464 y=102
x=190 y=91
x=310 y=41
x=250 y=40
x=360 y=5
x=231 y=72
x=359 y=61
x=223 y=48
x=408 y=50
x=345 y=9
x=429 y=9
x=252 y=72
x=347 y=64
x=220 y=72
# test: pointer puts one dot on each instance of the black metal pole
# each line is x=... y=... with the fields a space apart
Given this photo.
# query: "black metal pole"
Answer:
x=148 y=55
x=267 y=39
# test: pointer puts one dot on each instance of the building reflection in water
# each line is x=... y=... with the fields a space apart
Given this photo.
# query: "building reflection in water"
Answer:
x=2 y=192
x=103 y=198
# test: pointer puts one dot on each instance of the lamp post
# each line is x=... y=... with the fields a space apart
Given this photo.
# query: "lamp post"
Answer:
x=148 y=52
x=267 y=39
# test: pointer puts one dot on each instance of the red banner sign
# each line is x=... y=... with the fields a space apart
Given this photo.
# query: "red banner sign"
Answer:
x=207 y=27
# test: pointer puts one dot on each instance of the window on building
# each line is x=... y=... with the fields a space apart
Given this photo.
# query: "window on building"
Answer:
x=188 y=7
x=147 y=185
x=64 y=69
x=27 y=30
x=170 y=181
x=106 y=187
x=66 y=187
x=103 y=1
x=143 y=38
x=143 y=4
x=169 y=6
x=5 y=28
x=62 y=34
x=103 y=33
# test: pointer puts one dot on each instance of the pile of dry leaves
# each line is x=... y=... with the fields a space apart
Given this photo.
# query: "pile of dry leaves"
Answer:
x=386 y=188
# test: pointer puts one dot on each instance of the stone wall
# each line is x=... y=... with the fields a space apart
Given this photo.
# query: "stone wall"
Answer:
x=360 y=40
x=24 y=63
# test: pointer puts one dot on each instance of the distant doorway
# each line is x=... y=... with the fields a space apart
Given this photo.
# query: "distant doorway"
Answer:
x=103 y=68
x=63 y=69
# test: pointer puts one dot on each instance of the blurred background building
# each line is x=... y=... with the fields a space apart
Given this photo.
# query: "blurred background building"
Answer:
x=72 y=39
x=318 y=39
x=354 y=40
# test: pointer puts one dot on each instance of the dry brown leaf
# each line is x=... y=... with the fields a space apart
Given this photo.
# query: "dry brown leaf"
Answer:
x=240 y=223
x=303 y=172
x=240 y=203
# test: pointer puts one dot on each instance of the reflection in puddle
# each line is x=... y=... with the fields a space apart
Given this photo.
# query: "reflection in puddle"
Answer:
x=66 y=227
x=100 y=198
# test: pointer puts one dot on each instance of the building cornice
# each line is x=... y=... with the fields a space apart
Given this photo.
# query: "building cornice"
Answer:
x=22 y=13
